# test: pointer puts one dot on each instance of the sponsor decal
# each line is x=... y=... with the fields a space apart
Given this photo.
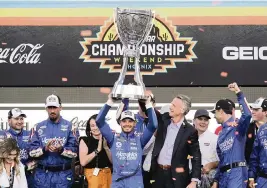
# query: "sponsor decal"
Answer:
x=25 y=53
x=227 y=144
x=58 y=140
x=40 y=132
x=23 y=154
x=64 y=127
x=118 y=144
x=244 y=53
x=264 y=143
x=130 y=156
x=206 y=144
x=25 y=138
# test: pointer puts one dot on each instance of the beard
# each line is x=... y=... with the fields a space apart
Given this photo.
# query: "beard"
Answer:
x=53 y=118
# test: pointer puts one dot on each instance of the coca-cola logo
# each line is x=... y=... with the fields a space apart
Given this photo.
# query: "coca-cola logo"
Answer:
x=23 y=53
x=81 y=124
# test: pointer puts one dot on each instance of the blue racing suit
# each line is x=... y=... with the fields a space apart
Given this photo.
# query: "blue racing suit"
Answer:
x=258 y=158
x=23 y=140
x=54 y=168
x=230 y=149
x=127 y=150
x=140 y=123
x=139 y=128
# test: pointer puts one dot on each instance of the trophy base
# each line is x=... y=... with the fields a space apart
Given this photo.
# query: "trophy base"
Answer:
x=132 y=92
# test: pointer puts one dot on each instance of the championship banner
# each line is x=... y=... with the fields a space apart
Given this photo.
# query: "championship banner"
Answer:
x=56 y=48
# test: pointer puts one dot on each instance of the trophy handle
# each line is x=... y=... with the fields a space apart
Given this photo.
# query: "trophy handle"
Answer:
x=122 y=75
x=137 y=75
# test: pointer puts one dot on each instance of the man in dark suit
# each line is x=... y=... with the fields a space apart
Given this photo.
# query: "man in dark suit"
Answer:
x=176 y=142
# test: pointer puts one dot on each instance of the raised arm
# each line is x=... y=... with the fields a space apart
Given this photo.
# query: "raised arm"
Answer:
x=244 y=121
x=124 y=105
x=245 y=118
x=152 y=123
x=102 y=124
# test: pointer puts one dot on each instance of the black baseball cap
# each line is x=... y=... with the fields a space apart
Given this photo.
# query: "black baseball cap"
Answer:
x=223 y=104
x=201 y=113
x=233 y=104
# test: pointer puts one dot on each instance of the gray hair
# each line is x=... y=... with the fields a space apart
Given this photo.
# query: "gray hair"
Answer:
x=186 y=102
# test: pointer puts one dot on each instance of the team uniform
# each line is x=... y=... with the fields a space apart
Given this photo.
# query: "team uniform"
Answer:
x=232 y=170
x=54 y=168
x=258 y=158
x=127 y=149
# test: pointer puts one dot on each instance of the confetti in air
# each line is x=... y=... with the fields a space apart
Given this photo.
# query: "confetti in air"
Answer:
x=86 y=33
x=179 y=170
x=201 y=29
x=105 y=90
x=64 y=79
x=189 y=157
x=224 y=74
x=4 y=43
x=236 y=133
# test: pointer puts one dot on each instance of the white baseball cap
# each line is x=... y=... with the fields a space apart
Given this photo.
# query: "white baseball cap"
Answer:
x=15 y=112
x=127 y=114
x=260 y=103
x=52 y=100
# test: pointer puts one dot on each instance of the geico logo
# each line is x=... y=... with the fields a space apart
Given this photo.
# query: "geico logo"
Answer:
x=244 y=53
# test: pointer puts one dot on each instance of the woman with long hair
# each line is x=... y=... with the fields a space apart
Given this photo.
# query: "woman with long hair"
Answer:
x=95 y=156
x=12 y=172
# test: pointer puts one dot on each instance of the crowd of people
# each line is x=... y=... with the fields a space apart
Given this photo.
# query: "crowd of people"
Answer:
x=153 y=150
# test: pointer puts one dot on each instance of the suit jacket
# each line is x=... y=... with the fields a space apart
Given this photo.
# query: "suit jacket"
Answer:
x=186 y=143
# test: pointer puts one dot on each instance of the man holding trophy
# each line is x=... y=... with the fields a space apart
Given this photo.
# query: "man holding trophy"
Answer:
x=127 y=147
x=133 y=27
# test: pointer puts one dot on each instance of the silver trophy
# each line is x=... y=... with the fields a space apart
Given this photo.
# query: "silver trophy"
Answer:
x=133 y=27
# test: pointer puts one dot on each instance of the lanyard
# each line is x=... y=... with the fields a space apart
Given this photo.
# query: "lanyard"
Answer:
x=11 y=178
